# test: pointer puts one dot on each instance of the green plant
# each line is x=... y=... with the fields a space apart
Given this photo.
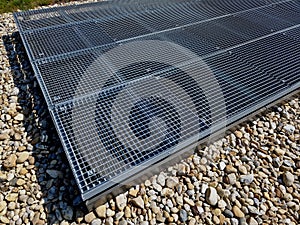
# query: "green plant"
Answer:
x=13 y=5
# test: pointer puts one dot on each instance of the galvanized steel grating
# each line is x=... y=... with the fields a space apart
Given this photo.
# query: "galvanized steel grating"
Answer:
x=128 y=83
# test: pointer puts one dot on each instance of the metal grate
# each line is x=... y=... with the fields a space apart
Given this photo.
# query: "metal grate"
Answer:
x=128 y=83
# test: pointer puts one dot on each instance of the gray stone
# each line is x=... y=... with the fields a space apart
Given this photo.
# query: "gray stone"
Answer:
x=58 y=215
x=247 y=179
x=170 y=203
x=52 y=192
x=96 y=222
x=11 y=206
x=227 y=213
x=253 y=210
x=234 y=221
x=179 y=200
x=119 y=215
x=154 y=207
x=222 y=204
x=30 y=201
x=109 y=221
x=157 y=187
x=110 y=212
x=276 y=162
x=67 y=213
x=204 y=188
x=183 y=216
x=288 y=163
x=54 y=173
x=222 y=165
x=196 y=160
x=187 y=207
x=123 y=222
x=231 y=178
x=289 y=128
x=15 y=91
x=23 y=198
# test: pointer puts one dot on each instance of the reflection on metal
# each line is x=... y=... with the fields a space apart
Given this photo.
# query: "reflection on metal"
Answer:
x=131 y=84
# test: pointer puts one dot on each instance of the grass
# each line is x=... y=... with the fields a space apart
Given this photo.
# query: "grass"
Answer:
x=13 y=5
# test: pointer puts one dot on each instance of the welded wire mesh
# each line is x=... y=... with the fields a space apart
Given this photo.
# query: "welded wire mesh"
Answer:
x=193 y=64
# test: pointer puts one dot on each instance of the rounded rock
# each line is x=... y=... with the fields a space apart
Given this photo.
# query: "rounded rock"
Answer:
x=3 y=205
x=252 y=221
x=288 y=178
x=183 y=216
x=101 y=211
x=12 y=197
x=19 y=117
x=238 y=212
x=89 y=217
x=172 y=182
x=96 y=222
x=22 y=157
x=211 y=196
x=161 y=179
x=67 y=213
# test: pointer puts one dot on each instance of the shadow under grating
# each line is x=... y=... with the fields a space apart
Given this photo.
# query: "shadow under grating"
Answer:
x=130 y=83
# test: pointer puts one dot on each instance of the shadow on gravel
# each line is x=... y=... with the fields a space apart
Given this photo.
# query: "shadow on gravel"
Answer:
x=61 y=198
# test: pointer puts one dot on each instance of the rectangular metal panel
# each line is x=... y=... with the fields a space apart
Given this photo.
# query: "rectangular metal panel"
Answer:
x=191 y=65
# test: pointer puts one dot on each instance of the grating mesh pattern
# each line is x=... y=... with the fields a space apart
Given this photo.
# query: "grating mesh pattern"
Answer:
x=129 y=82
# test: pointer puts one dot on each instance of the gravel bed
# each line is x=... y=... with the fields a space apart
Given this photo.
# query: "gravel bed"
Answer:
x=252 y=176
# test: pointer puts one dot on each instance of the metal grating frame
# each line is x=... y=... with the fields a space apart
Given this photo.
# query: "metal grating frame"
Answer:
x=129 y=83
